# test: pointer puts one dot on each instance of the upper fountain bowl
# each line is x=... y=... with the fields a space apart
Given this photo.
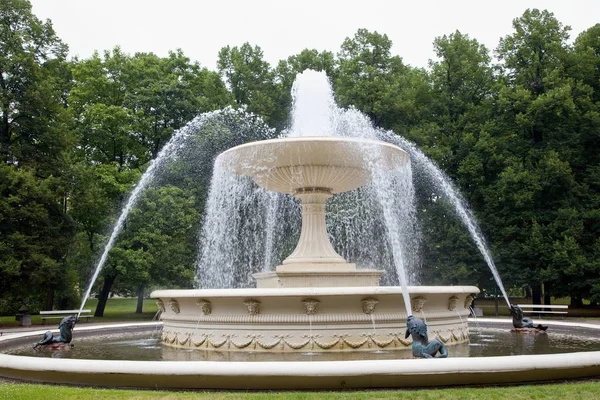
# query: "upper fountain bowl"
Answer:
x=334 y=164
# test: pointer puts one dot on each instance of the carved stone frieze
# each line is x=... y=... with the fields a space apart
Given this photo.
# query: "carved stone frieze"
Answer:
x=160 y=305
x=287 y=342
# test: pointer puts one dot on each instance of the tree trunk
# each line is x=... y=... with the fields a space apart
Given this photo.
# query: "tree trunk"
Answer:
x=140 y=300
x=49 y=300
x=536 y=294
x=547 y=297
x=576 y=302
x=103 y=296
x=4 y=123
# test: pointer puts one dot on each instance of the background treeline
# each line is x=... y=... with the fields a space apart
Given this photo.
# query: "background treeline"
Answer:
x=516 y=127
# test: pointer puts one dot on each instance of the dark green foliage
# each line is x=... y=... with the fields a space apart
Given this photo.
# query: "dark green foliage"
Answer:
x=35 y=234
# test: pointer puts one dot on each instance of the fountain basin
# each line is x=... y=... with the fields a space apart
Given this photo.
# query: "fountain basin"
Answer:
x=338 y=164
x=327 y=319
x=299 y=375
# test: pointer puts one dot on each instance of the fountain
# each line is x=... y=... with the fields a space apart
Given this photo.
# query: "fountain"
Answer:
x=324 y=299
x=313 y=286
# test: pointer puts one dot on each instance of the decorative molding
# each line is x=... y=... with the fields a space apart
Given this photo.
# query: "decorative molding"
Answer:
x=288 y=342
x=160 y=305
x=418 y=303
x=368 y=305
x=452 y=303
x=205 y=306
x=303 y=319
x=310 y=306
x=174 y=304
x=253 y=306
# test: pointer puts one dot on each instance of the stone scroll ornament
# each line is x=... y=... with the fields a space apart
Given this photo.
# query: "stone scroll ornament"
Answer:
x=63 y=339
x=521 y=323
x=421 y=346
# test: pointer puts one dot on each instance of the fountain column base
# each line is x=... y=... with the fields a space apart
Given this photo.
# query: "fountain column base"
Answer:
x=321 y=277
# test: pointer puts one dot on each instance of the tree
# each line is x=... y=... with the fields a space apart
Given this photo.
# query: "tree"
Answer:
x=307 y=59
x=165 y=93
x=377 y=83
x=462 y=88
x=34 y=140
x=158 y=245
x=252 y=82
x=34 y=236
x=125 y=109
x=535 y=206
x=535 y=52
x=33 y=81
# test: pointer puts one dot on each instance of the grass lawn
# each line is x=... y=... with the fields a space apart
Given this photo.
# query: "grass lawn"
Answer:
x=572 y=391
x=116 y=310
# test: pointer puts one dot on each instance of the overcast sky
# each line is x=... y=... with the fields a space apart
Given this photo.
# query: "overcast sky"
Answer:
x=284 y=27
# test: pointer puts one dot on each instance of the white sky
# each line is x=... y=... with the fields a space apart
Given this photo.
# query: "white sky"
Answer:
x=285 y=27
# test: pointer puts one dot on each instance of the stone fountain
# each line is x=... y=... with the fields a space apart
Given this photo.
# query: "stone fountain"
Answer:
x=315 y=300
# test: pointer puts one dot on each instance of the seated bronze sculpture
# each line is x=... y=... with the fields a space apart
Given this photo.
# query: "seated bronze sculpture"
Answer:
x=520 y=322
x=64 y=337
x=421 y=346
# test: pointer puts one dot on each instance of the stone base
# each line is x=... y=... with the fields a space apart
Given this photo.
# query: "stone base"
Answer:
x=314 y=319
x=322 y=278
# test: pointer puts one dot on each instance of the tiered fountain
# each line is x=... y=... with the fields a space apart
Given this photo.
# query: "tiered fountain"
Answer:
x=315 y=300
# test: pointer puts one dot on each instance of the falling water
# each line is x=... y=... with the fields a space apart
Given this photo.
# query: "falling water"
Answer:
x=476 y=320
x=176 y=142
x=374 y=226
x=443 y=182
x=222 y=122
x=248 y=229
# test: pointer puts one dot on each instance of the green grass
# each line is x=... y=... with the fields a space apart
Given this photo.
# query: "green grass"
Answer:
x=571 y=391
x=116 y=310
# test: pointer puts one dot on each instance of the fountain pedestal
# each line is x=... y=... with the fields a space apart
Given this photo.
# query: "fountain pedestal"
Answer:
x=313 y=169
x=314 y=262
